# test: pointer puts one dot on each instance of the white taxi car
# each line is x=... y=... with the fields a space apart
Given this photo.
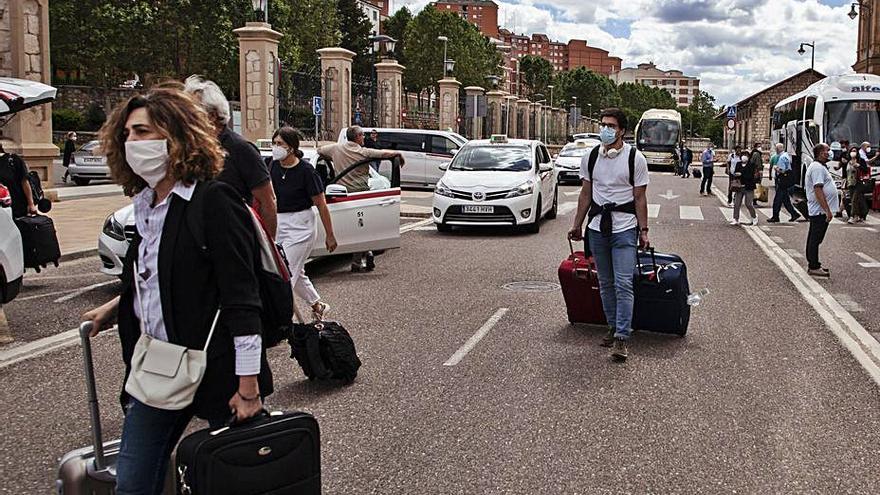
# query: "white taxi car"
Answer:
x=497 y=182
x=568 y=162
x=11 y=255
x=362 y=220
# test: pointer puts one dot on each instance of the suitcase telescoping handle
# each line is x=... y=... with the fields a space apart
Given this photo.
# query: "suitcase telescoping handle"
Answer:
x=650 y=250
x=88 y=365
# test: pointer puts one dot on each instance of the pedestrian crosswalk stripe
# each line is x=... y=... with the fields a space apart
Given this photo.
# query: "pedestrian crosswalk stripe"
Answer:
x=728 y=213
x=653 y=211
x=690 y=213
x=872 y=221
x=794 y=253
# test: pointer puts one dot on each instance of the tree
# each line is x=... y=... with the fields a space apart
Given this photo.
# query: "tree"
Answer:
x=475 y=56
x=636 y=98
x=699 y=117
x=536 y=73
x=589 y=87
x=355 y=31
x=396 y=26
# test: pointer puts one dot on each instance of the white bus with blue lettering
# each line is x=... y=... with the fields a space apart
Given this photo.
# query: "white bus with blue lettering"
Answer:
x=839 y=109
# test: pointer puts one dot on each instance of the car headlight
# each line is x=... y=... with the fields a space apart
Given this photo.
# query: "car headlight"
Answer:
x=113 y=229
x=523 y=189
x=443 y=190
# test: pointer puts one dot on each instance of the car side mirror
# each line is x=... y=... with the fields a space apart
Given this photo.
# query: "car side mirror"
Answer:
x=444 y=166
x=545 y=167
x=336 y=190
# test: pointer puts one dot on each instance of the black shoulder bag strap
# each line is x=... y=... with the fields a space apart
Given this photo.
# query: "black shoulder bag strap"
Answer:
x=591 y=161
x=632 y=165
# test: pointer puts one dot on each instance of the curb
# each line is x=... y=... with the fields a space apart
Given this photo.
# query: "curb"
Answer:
x=415 y=215
x=76 y=255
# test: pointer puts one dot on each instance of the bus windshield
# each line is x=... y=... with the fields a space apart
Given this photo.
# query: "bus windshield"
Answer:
x=661 y=134
x=853 y=121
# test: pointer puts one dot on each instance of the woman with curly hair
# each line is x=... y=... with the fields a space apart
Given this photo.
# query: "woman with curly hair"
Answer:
x=188 y=278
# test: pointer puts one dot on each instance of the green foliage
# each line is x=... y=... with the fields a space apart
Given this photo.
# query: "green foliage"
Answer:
x=475 y=56
x=355 y=31
x=396 y=26
x=700 y=119
x=589 y=87
x=95 y=117
x=537 y=74
x=67 y=119
x=635 y=99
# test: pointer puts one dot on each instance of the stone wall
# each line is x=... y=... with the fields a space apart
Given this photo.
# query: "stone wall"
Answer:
x=5 y=41
x=754 y=116
x=79 y=98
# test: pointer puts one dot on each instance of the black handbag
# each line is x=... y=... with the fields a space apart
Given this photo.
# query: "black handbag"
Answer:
x=866 y=186
x=270 y=453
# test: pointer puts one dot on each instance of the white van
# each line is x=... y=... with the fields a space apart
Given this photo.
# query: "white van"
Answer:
x=424 y=151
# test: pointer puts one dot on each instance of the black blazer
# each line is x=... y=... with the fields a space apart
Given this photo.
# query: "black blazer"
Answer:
x=747 y=178
x=196 y=279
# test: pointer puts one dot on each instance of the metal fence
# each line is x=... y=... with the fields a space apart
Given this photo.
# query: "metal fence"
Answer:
x=363 y=101
x=295 y=103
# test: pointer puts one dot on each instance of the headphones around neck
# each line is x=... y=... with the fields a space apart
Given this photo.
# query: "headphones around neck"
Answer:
x=609 y=153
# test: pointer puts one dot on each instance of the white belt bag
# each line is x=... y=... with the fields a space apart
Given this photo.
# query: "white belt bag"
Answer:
x=165 y=375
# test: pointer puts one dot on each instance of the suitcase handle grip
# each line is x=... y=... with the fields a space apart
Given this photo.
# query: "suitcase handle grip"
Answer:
x=85 y=328
x=232 y=423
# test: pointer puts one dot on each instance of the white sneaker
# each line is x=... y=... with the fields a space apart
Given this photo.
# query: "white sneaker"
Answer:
x=734 y=222
x=755 y=221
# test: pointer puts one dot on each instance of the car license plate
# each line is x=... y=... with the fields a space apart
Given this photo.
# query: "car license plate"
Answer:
x=92 y=160
x=478 y=209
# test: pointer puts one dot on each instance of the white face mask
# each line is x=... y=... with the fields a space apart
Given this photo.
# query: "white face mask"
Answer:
x=148 y=159
x=279 y=152
x=744 y=158
x=852 y=154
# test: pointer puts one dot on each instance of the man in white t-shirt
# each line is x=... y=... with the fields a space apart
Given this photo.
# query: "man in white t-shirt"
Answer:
x=822 y=204
x=615 y=198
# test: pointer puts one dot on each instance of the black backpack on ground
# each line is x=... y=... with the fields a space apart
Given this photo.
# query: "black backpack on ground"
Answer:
x=324 y=350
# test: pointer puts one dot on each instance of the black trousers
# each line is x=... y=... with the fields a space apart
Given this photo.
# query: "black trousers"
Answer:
x=818 y=228
x=706 y=184
x=782 y=197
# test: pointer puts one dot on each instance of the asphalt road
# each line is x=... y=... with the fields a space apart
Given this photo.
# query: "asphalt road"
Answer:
x=759 y=397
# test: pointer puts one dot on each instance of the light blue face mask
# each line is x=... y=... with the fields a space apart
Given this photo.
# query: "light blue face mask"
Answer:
x=607 y=135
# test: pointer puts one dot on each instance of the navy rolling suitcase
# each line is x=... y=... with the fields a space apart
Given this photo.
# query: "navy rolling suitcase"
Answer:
x=661 y=290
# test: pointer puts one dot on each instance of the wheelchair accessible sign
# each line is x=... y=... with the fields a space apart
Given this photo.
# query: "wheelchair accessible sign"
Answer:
x=317 y=105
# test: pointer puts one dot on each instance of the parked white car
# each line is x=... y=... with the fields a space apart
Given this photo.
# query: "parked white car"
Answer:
x=568 y=161
x=362 y=220
x=88 y=164
x=497 y=182
x=423 y=150
x=11 y=255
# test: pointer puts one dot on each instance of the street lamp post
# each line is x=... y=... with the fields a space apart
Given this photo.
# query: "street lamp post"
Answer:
x=445 y=40
x=812 y=46
x=262 y=5
x=550 y=87
x=853 y=13
x=382 y=47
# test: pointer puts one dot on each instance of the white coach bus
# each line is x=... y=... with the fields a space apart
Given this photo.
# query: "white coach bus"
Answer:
x=839 y=109
x=658 y=137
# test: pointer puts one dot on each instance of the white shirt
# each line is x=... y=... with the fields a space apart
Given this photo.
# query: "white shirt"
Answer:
x=150 y=220
x=817 y=174
x=611 y=185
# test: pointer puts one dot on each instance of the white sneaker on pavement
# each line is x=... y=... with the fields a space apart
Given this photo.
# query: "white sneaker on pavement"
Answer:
x=755 y=221
x=734 y=222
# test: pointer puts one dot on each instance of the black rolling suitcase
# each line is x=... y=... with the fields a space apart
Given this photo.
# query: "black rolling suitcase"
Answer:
x=92 y=470
x=277 y=453
x=661 y=291
x=39 y=242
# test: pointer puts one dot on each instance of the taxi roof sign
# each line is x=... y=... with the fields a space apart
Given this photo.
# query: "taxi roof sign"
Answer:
x=498 y=138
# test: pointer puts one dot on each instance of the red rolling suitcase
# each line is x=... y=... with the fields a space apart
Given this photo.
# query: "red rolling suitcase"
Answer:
x=875 y=200
x=580 y=288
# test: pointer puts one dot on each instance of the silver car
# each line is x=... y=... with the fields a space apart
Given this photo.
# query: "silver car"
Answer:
x=88 y=164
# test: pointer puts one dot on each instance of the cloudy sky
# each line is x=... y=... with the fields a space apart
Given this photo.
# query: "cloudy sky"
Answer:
x=736 y=47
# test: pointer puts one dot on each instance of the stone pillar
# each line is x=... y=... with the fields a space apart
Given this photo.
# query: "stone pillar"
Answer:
x=524 y=107
x=258 y=79
x=336 y=89
x=510 y=102
x=389 y=75
x=495 y=100
x=24 y=54
x=474 y=93
x=449 y=87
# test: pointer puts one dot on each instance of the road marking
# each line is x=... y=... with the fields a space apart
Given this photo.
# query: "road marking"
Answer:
x=567 y=207
x=727 y=212
x=849 y=303
x=414 y=225
x=869 y=261
x=852 y=335
x=30 y=350
x=794 y=253
x=767 y=212
x=83 y=290
x=690 y=213
x=653 y=211
x=571 y=193
x=668 y=195
x=869 y=229
x=777 y=239
x=871 y=220
x=475 y=339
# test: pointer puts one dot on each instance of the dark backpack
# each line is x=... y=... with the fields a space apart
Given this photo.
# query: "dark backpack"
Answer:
x=594 y=156
x=324 y=350
x=272 y=271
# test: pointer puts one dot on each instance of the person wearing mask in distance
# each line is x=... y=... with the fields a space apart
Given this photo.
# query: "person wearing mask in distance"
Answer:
x=344 y=155
x=14 y=175
x=298 y=187
x=182 y=272
x=708 y=160
x=617 y=225
x=745 y=172
x=781 y=165
x=243 y=167
x=823 y=203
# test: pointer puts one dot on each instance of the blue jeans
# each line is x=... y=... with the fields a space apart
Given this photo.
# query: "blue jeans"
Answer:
x=615 y=261
x=149 y=435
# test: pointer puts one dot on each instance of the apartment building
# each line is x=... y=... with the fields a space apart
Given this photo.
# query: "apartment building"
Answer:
x=682 y=88
x=481 y=13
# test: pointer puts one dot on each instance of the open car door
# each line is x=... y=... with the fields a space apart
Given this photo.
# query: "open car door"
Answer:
x=367 y=220
x=19 y=94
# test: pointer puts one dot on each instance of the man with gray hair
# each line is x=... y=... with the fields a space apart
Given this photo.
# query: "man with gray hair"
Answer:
x=781 y=163
x=243 y=167
x=344 y=155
